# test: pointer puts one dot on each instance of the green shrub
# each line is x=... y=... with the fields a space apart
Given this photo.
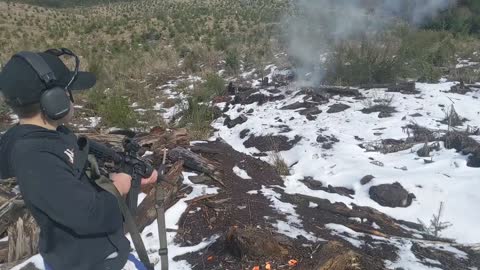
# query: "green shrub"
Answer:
x=116 y=112
x=197 y=117
x=212 y=87
x=402 y=53
x=232 y=61
x=363 y=62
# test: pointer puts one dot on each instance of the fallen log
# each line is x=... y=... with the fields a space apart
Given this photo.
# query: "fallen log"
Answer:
x=332 y=90
x=110 y=139
x=473 y=85
x=160 y=138
x=3 y=252
x=196 y=162
x=5 y=195
x=23 y=236
x=402 y=87
x=10 y=211
x=146 y=212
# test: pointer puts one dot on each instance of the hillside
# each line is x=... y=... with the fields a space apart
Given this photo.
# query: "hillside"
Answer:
x=338 y=137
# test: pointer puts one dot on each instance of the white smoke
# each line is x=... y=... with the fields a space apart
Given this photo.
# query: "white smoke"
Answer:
x=316 y=25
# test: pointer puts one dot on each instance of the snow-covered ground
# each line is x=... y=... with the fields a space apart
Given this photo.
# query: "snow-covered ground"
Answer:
x=447 y=179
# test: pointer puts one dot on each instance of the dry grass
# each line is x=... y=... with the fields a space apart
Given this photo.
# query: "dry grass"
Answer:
x=135 y=46
x=279 y=163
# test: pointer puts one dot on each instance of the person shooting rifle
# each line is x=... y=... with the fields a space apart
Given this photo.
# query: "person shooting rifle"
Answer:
x=81 y=222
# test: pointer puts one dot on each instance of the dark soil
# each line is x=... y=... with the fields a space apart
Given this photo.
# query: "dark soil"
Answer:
x=336 y=108
x=271 y=143
x=379 y=108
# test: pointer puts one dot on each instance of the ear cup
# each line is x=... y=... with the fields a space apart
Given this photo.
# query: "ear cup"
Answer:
x=55 y=103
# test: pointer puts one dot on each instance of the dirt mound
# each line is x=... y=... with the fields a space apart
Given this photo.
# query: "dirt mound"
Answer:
x=336 y=256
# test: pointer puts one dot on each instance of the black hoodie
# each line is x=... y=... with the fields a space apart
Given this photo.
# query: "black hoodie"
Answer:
x=81 y=225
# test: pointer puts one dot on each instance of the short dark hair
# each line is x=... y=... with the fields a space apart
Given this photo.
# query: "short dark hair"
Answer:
x=27 y=111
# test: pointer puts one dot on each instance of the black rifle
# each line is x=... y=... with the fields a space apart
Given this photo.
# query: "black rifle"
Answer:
x=128 y=162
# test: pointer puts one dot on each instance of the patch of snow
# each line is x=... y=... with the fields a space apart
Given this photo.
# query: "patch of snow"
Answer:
x=4 y=239
x=312 y=205
x=356 y=219
x=36 y=260
x=94 y=121
x=340 y=230
x=247 y=74
x=406 y=259
x=430 y=261
x=293 y=226
x=375 y=226
x=141 y=197
x=444 y=247
x=252 y=192
x=241 y=173
x=294 y=232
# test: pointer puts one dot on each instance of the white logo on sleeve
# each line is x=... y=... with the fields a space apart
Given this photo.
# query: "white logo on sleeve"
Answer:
x=69 y=154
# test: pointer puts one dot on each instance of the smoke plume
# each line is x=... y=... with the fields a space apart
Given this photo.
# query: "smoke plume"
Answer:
x=316 y=25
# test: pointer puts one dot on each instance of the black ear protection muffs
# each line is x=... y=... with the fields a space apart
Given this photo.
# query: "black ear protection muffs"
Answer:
x=54 y=101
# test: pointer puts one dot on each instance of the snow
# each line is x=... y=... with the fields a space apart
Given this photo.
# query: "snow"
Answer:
x=94 y=121
x=293 y=226
x=36 y=260
x=447 y=179
x=4 y=239
x=407 y=260
x=241 y=173
x=346 y=233
x=312 y=205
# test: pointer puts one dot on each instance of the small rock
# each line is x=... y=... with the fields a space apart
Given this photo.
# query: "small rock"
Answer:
x=199 y=179
x=237 y=121
x=384 y=114
x=244 y=133
x=358 y=138
x=312 y=111
x=311 y=117
x=391 y=195
x=416 y=115
x=336 y=108
x=250 y=111
x=377 y=163
x=428 y=161
x=327 y=146
x=474 y=160
x=311 y=183
x=366 y=179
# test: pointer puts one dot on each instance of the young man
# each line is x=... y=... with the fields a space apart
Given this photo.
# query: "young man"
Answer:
x=81 y=224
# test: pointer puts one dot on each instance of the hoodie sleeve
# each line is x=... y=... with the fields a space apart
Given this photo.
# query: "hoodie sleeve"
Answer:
x=48 y=182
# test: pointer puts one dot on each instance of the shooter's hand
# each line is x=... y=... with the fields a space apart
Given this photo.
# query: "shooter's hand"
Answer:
x=151 y=180
x=122 y=182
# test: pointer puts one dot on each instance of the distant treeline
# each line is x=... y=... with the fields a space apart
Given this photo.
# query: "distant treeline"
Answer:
x=65 y=3
x=465 y=18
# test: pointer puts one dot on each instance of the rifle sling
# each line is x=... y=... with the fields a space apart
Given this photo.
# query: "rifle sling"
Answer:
x=108 y=186
x=162 y=231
